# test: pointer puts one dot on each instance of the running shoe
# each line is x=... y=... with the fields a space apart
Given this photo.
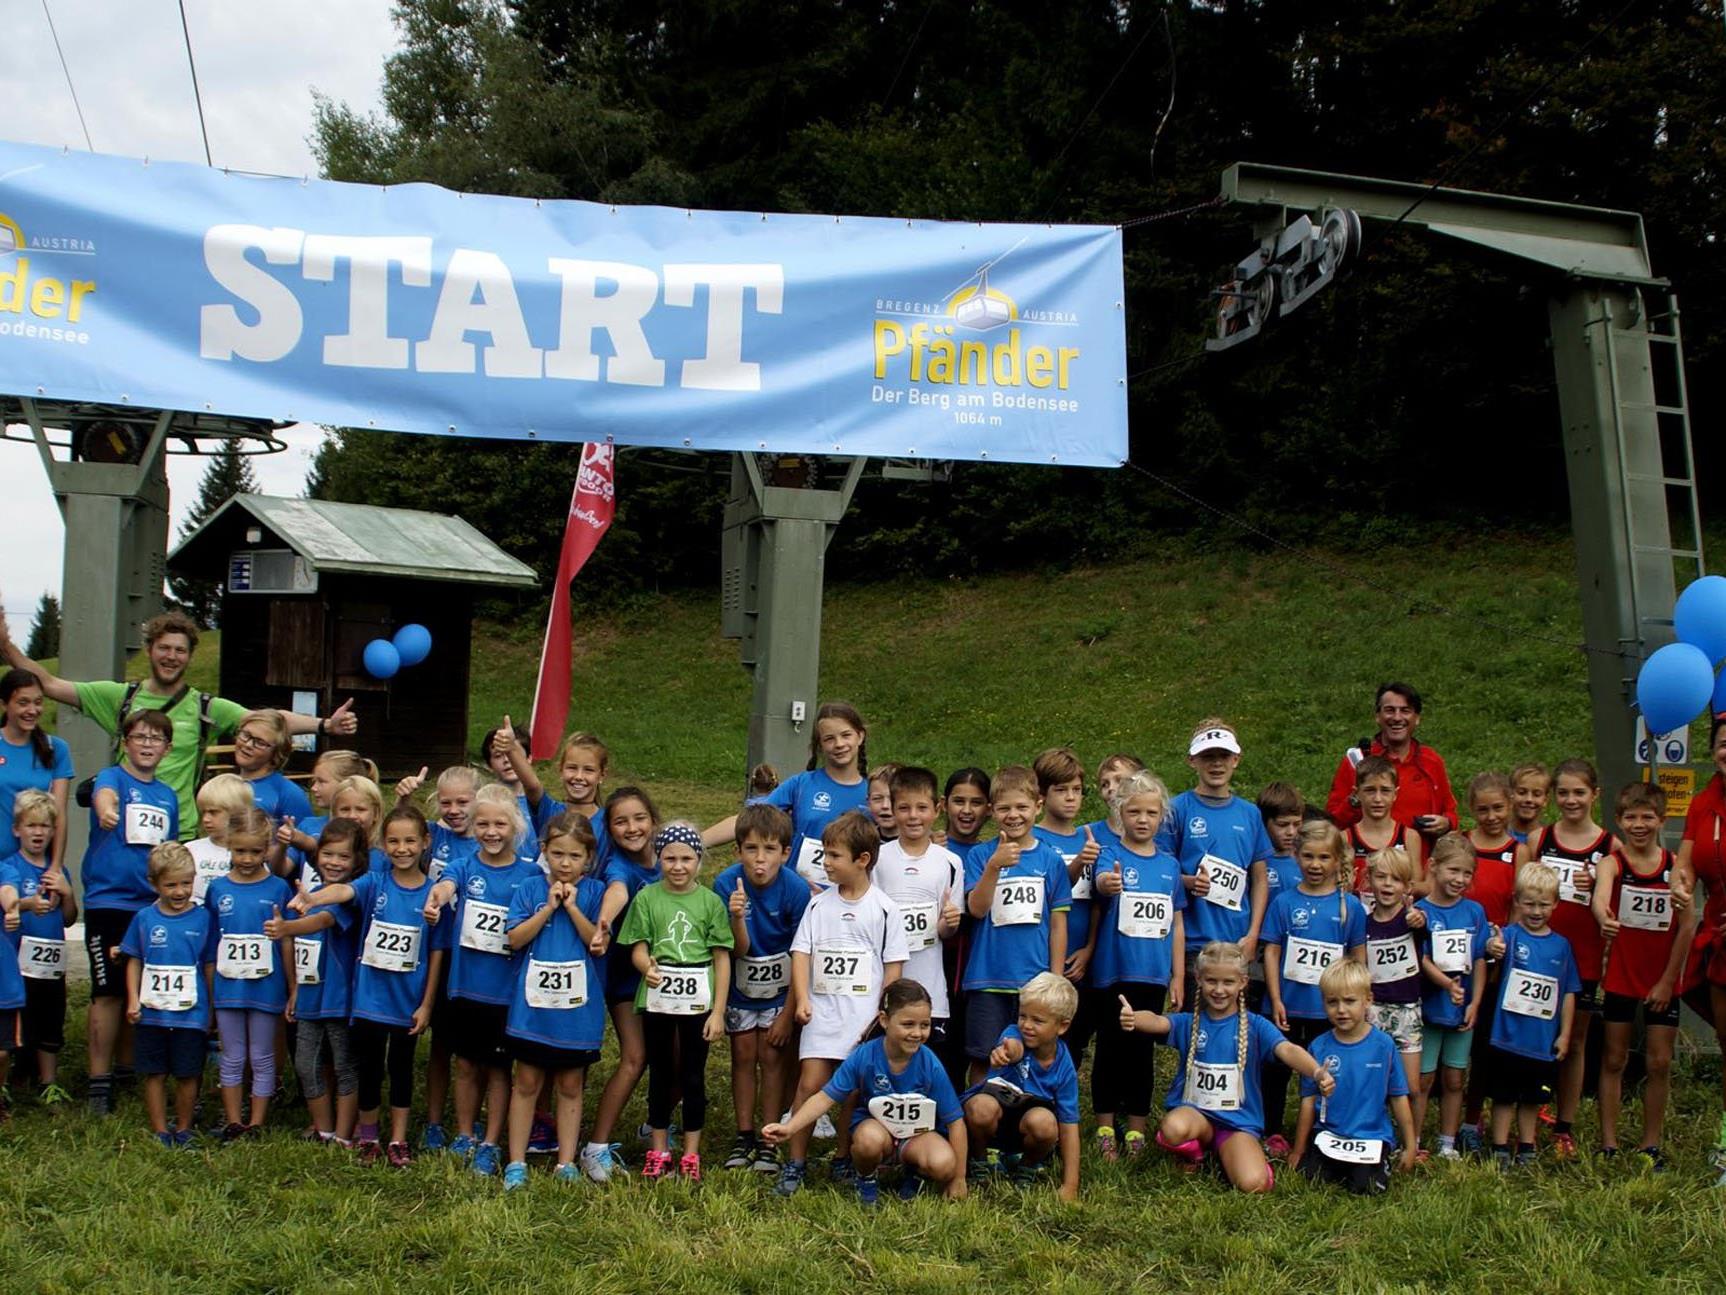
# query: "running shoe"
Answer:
x=600 y=1164
x=841 y=1171
x=563 y=1173
x=910 y=1185
x=1449 y=1153
x=1527 y=1158
x=1564 y=1146
x=367 y=1151
x=399 y=1154
x=824 y=1128
x=1107 y=1151
x=1468 y=1140
x=868 y=1191
x=166 y=1139
x=1276 y=1147
x=764 y=1159
x=515 y=1174
x=657 y=1166
x=790 y=1178
x=542 y=1138
x=742 y=1152
x=183 y=1138
x=434 y=1138
x=1135 y=1144
x=1651 y=1160
x=690 y=1166
x=486 y=1158
x=460 y=1145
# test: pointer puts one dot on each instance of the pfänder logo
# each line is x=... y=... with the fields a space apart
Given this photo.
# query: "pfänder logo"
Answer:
x=41 y=301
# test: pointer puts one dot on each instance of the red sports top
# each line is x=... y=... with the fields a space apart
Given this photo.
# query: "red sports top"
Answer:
x=1422 y=786
x=1574 y=919
x=1639 y=952
x=1494 y=884
x=1705 y=829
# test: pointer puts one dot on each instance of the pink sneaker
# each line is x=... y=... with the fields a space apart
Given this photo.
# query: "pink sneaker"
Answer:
x=1190 y=1152
x=657 y=1166
x=1276 y=1147
x=690 y=1166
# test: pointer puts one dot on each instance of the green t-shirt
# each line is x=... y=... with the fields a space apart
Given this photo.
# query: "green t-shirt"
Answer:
x=101 y=701
x=682 y=930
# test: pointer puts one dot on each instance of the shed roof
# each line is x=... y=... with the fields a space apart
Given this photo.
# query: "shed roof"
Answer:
x=361 y=539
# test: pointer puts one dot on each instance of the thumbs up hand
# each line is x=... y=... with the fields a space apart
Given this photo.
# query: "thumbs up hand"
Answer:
x=342 y=720
x=1088 y=855
x=1199 y=883
x=285 y=833
x=1006 y=854
x=739 y=902
x=406 y=788
x=273 y=925
x=950 y=915
x=1110 y=881
x=1129 y=1018
x=601 y=939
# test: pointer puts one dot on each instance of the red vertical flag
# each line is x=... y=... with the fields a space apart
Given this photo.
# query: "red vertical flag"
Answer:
x=590 y=512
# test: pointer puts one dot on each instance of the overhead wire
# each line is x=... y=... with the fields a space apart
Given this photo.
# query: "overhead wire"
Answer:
x=197 y=95
x=67 y=72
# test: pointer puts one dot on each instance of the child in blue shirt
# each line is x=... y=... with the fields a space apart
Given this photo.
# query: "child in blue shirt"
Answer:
x=1215 y=1102
x=557 y=1011
x=1283 y=809
x=46 y=907
x=325 y=945
x=1536 y=1001
x=1345 y=1137
x=905 y=1110
x=764 y=901
x=1026 y=1106
x=253 y=972
x=402 y=952
x=1018 y=892
x=1061 y=784
x=1141 y=957
x=481 y=886
x=1308 y=928
x=170 y=947
x=1455 y=966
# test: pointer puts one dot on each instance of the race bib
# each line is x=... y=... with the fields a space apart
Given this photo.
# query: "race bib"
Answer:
x=1646 y=908
x=146 y=825
x=920 y=922
x=1215 y=1087
x=1144 y=917
x=1353 y=1151
x=1392 y=960
x=556 y=986
x=905 y=1114
x=809 y=857
x=1228 y=883
x=1305 y=960
x=763 y=977
x=1568 y=871
x=1083 y=887
x=1453 y=950
x=392 y=946
x=681 y=991
x=1018 y=901
x=168 y=988
x=40 y=959
x=841 y=971
x=308 y=961
x=482 y=927
x=1529 y=994
x=243 y=957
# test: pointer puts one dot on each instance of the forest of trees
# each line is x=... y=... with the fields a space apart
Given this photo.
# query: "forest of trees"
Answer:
x=1416 y=393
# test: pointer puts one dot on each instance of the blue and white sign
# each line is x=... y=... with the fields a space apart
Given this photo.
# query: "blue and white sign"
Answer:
x=1674 y=746
x=412 y=308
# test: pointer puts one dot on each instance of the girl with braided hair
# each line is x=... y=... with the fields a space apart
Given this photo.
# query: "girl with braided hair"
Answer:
x=1215 y=1102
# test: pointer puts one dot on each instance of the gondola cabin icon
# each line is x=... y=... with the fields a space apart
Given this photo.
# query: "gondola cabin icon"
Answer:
x=11 y=237
x=979 y=307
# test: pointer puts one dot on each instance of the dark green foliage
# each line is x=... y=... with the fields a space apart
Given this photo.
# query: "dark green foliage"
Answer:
x=44 y=640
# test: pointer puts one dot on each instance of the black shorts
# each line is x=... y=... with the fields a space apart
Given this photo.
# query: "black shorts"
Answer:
x=1515 y=1078
x=104 y=928
x=443 y=1017
x=550 y=1059
x=1362 y=1180
x=161 y=1050
x=1589 y=999
x=476 y=1031
x=45 y=1014
x=8 y=1024
x=1621 y=1009
x=986 y=1015
x=1009 y=1138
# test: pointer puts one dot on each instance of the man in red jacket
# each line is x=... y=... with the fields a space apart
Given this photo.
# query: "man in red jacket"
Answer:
x=1424 y=800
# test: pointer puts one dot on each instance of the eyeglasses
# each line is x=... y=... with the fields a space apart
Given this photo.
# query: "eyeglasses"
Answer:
x=252 y=739
x=146 y=737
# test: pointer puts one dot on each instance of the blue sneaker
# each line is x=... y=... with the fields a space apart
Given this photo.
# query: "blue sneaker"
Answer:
x=515 y=1175
x=434 y=1139
x=868 y=1191
x=841 y=1171
x=1468 y=1140
x=166 y=1139
x=461 y=1145
x=542 y=1138
x=183 y=1138
x=790 y=1178
x=486 y=1158
x=910 y=1185
x=563 y=1174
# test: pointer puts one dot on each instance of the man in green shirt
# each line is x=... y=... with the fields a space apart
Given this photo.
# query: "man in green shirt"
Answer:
x=169 y=641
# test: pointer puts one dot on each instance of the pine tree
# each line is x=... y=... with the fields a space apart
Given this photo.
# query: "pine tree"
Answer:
x=229 y=474
x=45 y=630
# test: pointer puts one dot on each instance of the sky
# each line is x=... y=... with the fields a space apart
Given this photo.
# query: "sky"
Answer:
x=258 y=63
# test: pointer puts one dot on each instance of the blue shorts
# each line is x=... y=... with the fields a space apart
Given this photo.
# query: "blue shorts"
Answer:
x=987 y=1013
x=164 y=1050
x=1442 y=1045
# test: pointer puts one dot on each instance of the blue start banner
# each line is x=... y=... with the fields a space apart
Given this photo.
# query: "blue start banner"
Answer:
x=415 y=309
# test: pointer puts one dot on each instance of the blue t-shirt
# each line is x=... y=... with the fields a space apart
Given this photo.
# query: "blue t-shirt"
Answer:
x=814 y=799
x=606 y=848
x=26 y=878
x=575 y=1029
x=298 y=858
x=1056 y=1083
x=331 y=953
x=1368 y=1073
x=447 y=848
x=1233 y=832
x=480 y=916
x=1464 y=915
x=280 y=797
x=1310 y=932
x=1536 y=974
x=242 y=908
x=770 y=916
x=1006 y=956
x=381 y=994
x=20 y=770
x=621 y=977
x=1152 y=898
x=1282 y=872
x=1219 y=1046
x=162 y=940
x=11 y=977
x=117 y=864
x=868 y=1074
x=1068 y=845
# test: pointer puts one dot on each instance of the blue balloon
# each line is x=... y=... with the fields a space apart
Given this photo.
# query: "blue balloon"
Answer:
x=1719 y=702
x=381 y=658
x=1699 y=616
x=413 y=643
x=1675 y=684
